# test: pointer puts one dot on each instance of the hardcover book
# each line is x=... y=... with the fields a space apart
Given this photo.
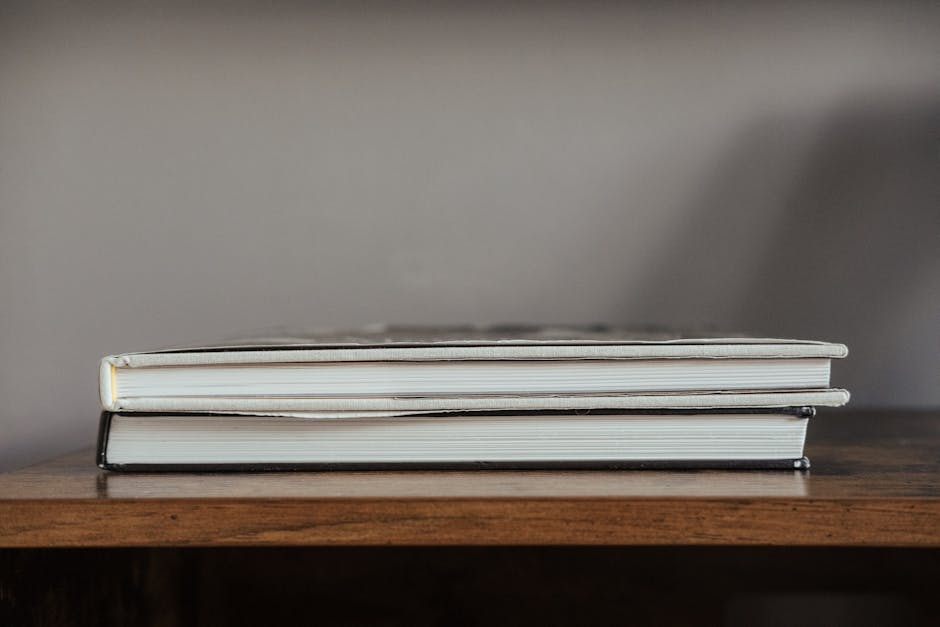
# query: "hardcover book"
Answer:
x=756 y=439
x=482 y=369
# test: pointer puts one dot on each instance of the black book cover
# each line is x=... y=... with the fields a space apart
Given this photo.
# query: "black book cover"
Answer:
x=731 y=464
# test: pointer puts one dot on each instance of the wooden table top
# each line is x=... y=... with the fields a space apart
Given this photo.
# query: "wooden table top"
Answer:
x=874 y=482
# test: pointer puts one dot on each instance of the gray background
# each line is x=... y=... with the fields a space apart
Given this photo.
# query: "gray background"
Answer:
x=170 y=175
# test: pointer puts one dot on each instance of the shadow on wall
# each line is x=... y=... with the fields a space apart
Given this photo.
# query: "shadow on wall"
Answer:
x=850 y=249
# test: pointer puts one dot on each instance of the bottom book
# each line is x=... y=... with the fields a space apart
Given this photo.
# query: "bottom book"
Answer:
x=758 y=439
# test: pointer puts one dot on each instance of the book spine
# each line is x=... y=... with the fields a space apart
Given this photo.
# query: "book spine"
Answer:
x=106 y=391
x=101 y=449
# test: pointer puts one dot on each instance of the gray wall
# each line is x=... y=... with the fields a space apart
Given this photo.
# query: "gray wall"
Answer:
x=169 y=175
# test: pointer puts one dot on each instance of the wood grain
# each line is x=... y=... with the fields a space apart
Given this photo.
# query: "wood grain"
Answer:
x=874 y=482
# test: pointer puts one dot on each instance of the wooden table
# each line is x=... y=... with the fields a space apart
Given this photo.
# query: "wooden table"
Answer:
x=875 y=481
x=872 y=497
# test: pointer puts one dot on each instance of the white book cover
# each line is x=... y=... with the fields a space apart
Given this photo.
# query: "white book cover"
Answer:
x=396 y=369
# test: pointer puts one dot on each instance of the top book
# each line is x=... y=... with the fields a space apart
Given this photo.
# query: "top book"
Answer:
x=493 y=368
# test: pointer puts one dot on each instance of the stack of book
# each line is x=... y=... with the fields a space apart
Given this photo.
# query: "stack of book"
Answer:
x=495 y=397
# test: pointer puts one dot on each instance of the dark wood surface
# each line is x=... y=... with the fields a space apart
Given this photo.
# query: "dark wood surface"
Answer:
x=874 y=482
